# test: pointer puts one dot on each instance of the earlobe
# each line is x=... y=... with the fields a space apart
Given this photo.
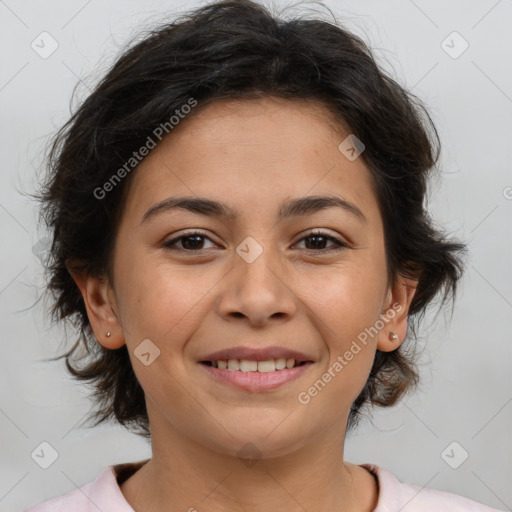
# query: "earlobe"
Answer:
x=396 y=314
x=99 y=306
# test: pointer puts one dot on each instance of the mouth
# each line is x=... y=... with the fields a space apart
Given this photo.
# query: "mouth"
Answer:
x=252 y=366
x=255 y=370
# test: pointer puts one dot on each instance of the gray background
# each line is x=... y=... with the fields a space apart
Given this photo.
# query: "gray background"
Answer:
x=466 y=391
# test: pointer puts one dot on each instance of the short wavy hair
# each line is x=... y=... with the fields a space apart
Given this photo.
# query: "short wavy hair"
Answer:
x=238 y=49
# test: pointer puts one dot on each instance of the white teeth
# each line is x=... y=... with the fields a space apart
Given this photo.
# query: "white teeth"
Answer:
x=232 y=364
x=245 y=365
x=266 y=366
x=280 y=364
x=248 y=366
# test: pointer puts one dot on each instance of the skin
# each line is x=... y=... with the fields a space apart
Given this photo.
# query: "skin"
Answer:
x=252 y=155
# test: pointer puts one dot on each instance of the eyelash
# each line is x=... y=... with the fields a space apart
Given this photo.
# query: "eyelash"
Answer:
x=340 y=245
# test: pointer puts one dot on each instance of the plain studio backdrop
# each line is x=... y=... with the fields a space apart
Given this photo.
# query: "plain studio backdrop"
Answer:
x=454 y=433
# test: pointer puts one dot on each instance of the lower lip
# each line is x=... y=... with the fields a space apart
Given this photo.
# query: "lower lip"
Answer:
x=256 y=381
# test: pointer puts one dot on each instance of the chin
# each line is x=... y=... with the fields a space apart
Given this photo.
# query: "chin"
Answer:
x=257 y=443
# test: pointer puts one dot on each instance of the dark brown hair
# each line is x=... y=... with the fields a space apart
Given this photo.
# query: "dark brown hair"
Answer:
x=239 y=50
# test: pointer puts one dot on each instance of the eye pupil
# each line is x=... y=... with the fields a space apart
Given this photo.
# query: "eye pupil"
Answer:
x=195 y=245
x=315 y=244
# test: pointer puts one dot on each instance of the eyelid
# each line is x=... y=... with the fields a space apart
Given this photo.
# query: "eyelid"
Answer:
x=190 y=232
x=323 y=232
x=339 y=243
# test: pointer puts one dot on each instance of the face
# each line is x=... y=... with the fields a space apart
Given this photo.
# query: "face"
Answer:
x=192 y=282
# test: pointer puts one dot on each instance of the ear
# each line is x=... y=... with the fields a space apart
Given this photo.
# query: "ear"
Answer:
x=101 y=307
x=395 y=314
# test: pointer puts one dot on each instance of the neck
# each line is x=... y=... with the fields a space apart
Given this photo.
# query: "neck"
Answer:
x=191 y=476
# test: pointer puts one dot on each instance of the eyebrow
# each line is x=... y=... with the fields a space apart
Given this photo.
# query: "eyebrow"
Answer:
x=290 y=208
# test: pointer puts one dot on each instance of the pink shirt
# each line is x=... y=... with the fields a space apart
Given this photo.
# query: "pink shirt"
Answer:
x=104 y=494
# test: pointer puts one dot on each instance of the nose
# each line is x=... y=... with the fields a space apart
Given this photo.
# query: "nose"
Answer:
x=259 y=292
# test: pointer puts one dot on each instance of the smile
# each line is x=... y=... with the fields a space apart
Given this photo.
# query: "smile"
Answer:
x=255 y=376
x=246 y=365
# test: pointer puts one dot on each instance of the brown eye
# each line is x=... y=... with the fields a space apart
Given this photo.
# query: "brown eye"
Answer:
x=318 y=241
x=190 y=242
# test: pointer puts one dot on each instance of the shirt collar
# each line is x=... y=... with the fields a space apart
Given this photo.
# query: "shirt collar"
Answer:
x=106 y=495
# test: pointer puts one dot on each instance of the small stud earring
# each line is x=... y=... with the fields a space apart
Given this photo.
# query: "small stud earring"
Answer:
x=393 y=336
x=108 y=334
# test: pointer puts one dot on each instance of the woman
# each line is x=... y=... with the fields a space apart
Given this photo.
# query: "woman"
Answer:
x=239 y=234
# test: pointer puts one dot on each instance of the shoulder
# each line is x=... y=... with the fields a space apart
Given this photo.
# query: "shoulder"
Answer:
x=397 y=495
x=76 y=500
x=102 y=494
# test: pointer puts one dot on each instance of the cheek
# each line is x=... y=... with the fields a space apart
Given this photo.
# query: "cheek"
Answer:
x=348 y=299
x=159 y=301
x=347 y=308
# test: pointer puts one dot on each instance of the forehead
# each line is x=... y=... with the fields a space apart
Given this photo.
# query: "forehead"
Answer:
x=267 y=121
x=252 y=152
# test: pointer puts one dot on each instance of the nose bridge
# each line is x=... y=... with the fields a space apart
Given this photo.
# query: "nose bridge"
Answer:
x=261 y=272
x=256 y=285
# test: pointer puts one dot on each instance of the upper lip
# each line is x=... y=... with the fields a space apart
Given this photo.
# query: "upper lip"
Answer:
x=256 y=354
